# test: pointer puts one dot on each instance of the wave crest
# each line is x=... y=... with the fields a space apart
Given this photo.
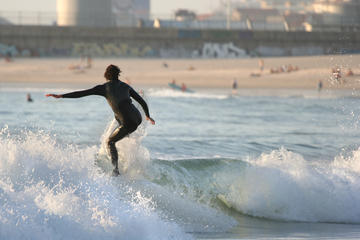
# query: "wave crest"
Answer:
x=54 y=191
x=282 y=185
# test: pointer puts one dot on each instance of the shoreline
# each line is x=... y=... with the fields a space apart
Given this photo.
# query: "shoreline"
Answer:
x=195 y=73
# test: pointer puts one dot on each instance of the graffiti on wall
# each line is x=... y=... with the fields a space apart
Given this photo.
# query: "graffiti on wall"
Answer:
x=111 y=49
x=220 y=50
x=10 y=50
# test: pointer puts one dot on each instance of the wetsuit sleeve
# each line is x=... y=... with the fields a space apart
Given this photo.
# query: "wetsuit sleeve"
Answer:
x=140 y=100
x=97 y=90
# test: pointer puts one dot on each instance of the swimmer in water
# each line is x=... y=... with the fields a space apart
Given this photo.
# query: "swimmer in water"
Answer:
x=117 y=94
x=28 y=98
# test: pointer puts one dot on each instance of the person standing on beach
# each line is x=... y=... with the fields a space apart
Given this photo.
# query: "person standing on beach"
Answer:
x=261 y=65
x=118 y=95
x=320 y=86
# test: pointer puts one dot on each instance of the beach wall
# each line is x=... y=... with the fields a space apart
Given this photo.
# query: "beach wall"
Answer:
x=170 y=43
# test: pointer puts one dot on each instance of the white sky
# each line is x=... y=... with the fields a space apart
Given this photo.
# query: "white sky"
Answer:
x=158 y=7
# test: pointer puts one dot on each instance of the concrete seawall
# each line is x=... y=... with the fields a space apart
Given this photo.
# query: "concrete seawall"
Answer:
x=172 y=43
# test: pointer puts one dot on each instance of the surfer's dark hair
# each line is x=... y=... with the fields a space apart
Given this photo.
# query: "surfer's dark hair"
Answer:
x=112 y=72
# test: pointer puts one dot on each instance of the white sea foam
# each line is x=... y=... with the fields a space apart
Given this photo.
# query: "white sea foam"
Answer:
x=131 y=152
x=54 y=191
x=136 y=166
x=50 y=191
x=282 y=185
x=169 y=93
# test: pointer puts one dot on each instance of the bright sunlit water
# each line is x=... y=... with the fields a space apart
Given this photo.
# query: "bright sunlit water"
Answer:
x=259 y=164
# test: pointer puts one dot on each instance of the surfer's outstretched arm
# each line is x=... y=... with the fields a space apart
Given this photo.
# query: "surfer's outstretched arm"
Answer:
x=98 y=90
x=143 y=104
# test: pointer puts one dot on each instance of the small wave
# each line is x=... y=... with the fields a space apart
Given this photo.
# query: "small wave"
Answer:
x=170 y=199
x=5 y=112
x=280 y=185
x=48 y=189
x=52 y=191
x=169 y=93
x=283 y=186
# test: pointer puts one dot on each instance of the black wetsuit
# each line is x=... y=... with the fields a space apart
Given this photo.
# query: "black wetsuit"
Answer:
x=118 y=95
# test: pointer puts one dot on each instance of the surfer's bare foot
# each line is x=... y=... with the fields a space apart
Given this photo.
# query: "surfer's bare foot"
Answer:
x=115 y=172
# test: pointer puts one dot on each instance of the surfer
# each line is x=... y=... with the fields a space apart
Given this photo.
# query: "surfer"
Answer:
x=117 y=94
x=183 y=87
x=28 y=98
x=234 y=86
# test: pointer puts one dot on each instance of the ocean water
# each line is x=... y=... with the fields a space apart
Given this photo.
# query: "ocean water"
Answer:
x=262 y=164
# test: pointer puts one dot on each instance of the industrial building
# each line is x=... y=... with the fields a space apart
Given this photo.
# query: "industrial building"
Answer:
x=336 y=15
x=104 y=13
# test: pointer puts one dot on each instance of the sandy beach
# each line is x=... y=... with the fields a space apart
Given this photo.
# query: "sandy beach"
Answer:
x=195 y=73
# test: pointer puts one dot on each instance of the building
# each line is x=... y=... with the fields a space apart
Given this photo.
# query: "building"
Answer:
x=336 y=15
x=4 y=21
x=296 y=21
x=130 y=12
x=259 y=19
x=184 y=15
x=254 y=14
x=104 y=13
x=84 y=13
x=347 y=11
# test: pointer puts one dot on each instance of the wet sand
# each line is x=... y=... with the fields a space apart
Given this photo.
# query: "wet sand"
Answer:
x=195 y=73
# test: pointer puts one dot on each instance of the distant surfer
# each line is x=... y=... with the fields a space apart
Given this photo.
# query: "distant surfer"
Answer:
x=234 y=86
x=117 y=94
x=28 y=98
x=183 y=87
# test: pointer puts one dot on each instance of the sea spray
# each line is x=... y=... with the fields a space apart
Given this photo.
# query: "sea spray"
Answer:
x=174 y=199
x=282 y=185
x=133 y=157
x=169 y=93
x=52 y=191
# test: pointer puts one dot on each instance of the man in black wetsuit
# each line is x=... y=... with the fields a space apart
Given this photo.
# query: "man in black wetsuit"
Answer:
x=117 y=94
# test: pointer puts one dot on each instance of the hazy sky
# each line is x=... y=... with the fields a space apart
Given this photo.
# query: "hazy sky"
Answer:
x=157 y=6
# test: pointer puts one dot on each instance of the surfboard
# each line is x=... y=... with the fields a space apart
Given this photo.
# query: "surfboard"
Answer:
x=103 y=162
x=222 y=198
x=179 y=88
